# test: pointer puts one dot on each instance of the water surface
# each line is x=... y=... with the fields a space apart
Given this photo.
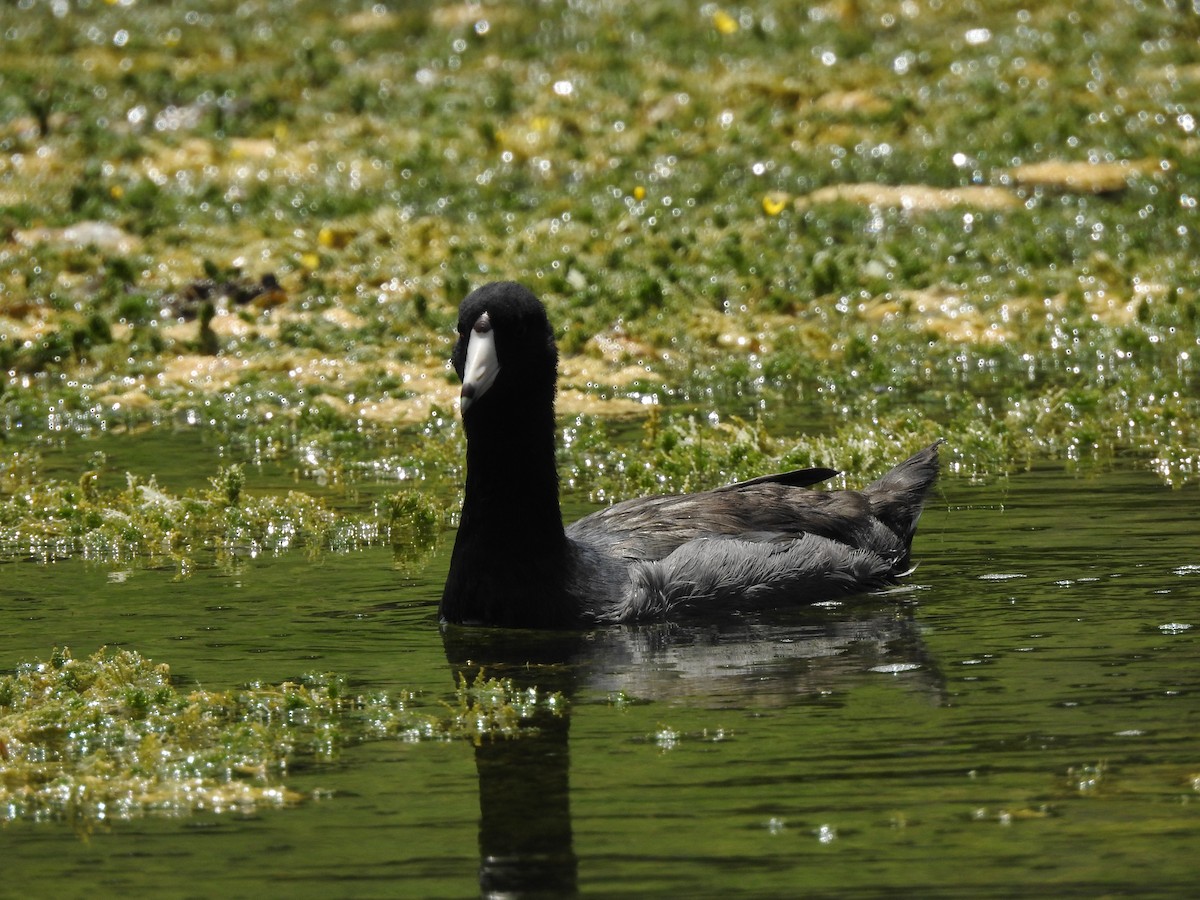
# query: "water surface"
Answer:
x=1023 y=717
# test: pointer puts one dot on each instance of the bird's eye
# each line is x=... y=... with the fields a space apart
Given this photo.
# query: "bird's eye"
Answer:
x=482 y=325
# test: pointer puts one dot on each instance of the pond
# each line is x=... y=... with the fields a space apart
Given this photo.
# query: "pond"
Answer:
x=1023 y=716
x=243 y=229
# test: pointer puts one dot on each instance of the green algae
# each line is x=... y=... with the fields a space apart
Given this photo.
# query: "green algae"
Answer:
x=708 y=199
x=48 y=519
x=113 y=736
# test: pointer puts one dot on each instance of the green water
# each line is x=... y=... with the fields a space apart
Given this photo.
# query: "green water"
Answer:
x=1023 y=719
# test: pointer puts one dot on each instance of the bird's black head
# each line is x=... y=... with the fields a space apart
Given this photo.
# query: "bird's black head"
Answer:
x=505 y=347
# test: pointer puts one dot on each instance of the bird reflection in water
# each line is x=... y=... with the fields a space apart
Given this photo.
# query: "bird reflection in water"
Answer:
x=526 y=843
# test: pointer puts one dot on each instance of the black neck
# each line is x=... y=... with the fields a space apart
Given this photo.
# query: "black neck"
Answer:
x=512 y=475
x=511 y=554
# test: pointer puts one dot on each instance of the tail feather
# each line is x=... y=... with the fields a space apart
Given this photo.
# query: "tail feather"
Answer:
x=898 y=497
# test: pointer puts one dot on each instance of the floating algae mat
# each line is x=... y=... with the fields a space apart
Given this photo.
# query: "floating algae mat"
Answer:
x=112 y=737
x=258 y=219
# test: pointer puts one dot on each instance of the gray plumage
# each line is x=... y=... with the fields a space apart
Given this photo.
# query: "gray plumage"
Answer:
x=756 y=543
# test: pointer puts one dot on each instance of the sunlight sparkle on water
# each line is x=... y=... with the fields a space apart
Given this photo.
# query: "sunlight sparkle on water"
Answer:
x=1174 y=628
x=667 y=739
x=895 y=668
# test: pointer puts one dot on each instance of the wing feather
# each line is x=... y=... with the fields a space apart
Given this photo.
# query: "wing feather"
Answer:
x=704 y=575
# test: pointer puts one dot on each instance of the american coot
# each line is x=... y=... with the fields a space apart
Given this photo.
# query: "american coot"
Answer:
x=764 y=542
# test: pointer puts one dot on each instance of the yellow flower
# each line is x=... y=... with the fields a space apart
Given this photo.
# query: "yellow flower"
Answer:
x=116 y=192
x=310 y=261
x=773 y=203
x=639 y=193
x=724 y=22
x=335 y=238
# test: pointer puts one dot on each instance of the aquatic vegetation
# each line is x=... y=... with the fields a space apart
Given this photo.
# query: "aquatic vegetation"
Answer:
x=112 y=736
x=679 y=454
x=49 y=519
x=414 y=519
x=855 y=227
x=489 y=708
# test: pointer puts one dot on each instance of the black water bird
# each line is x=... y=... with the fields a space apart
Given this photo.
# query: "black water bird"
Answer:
x=768 y=541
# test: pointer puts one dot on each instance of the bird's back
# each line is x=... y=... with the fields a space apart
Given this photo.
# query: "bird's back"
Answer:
x=649 y=528
x=772 y=508
x=751 y=543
